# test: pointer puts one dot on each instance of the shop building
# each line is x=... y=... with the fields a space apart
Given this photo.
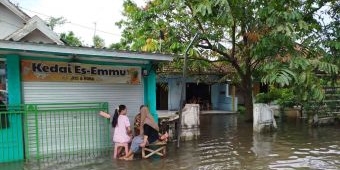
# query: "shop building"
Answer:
x=35 y=73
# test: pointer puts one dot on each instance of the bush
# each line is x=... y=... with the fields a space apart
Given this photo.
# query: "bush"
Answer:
x=241 y=109
x=282 y=96
x=267 y=97
x=287 y=98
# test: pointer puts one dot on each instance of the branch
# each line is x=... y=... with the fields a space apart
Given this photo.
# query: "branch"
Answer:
x=204 y=59
x=230 y=59
x=322 y=3
x=195 y=18
x=233 y=30
x=255 y=64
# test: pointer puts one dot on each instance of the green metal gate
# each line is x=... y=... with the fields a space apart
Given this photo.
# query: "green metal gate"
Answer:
x=53 y=131
x=11 y=138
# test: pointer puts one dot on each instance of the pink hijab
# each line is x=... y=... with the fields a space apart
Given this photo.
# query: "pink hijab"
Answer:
x=146 y=118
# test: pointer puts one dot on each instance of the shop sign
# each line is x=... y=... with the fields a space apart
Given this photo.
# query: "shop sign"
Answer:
x=48 y=71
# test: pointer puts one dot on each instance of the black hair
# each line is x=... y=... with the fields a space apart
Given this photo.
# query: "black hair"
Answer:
x=141 y=106
x=116 y=115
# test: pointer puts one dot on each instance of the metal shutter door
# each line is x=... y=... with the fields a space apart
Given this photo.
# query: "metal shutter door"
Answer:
x=58 y=92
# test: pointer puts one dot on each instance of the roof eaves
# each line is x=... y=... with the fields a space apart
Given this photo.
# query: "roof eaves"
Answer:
x=86 y=51
x=34 y=23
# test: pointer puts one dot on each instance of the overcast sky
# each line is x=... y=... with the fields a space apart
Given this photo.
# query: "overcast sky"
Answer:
x=82 y=15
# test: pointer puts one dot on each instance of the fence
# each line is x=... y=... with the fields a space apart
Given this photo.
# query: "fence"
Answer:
x=11 y=139
x=56 y=131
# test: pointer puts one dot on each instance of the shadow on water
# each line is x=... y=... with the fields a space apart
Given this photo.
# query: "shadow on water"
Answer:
x=228 y=143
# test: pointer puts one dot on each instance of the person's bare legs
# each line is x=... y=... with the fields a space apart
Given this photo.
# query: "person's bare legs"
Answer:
x=164 y=137
x=136 y=141
x=145 y=141
x=129 y=156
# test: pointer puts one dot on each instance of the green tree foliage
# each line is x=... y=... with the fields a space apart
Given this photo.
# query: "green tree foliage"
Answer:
x=118 y=46
x=319 y=47
x=70 y=39
x=52 y=22
x=98 y=42
x=277 y=42
x=330 y=31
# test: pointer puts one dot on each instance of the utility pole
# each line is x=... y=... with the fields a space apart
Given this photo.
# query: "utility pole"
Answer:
x=95 y=29
x=179 y=124
x=161 y=38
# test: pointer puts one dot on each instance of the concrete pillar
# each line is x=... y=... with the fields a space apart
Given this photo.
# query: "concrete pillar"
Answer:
x=263 y=118
x=150 y=92
x=190 y=122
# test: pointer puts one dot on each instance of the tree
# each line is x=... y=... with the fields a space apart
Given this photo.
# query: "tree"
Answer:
x=268 y=41
x=53 y=21
x=98 y=42
x=70 y=39
x=118 y=46
x=330 y=34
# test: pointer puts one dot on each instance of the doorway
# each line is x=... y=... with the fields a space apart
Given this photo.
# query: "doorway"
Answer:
x=199 y=94
x=162 y=96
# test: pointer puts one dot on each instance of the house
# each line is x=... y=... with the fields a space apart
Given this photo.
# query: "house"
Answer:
x=44 y=78
x=210 y=95
x=201 y=87
x=15 y=25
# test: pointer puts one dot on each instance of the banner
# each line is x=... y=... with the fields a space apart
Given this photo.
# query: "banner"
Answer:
x=48 y=71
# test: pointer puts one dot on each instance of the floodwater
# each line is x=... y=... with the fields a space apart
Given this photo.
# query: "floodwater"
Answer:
x=228 y=143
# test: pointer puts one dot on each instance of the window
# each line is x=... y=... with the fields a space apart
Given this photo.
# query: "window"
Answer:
x=4 y=117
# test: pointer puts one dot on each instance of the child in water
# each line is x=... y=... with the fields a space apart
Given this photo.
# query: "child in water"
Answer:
x=121 y=125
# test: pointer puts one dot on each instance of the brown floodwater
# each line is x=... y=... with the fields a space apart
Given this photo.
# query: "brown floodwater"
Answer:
x=228 y=143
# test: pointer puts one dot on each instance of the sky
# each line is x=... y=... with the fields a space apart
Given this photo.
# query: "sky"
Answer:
x=82 y=16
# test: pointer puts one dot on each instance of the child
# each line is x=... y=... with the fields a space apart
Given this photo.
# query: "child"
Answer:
x=121 y=125
x=146 y=128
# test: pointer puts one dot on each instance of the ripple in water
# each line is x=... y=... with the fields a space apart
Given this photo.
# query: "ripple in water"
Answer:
x=226 y=143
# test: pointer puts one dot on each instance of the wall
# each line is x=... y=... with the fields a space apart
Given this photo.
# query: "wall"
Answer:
x=174 y=95
x=222 y=98
x=215 y=88
x=9 y=22
x=37 y=36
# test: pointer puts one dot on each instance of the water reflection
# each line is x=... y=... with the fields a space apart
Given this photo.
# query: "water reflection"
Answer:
x=228 y=143
x=262 y=144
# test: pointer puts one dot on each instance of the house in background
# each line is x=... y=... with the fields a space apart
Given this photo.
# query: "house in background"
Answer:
x=210 y=94
x=16 y=25
x=204 y=88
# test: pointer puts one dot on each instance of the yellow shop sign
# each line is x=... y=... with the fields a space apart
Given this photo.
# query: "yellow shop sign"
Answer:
x=48 y=71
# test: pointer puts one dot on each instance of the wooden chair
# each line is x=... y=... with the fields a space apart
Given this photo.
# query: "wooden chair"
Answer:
x=117 y=145
x=158 y=148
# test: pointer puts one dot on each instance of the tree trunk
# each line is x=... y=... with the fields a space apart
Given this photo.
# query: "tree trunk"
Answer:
x=248 y=98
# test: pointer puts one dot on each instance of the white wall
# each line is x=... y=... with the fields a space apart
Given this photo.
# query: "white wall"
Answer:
x=37 y=36
x=174 y=94
x=9 y=22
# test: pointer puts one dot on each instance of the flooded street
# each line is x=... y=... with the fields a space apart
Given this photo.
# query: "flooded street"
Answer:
x=228 y=143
